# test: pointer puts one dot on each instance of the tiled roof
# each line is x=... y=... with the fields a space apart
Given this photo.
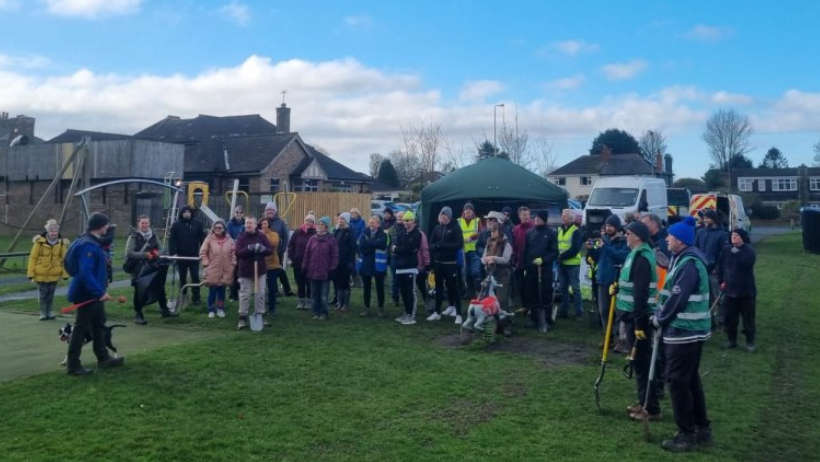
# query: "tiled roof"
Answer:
x=247 y=154
x=74 y=136
x=204 y=127
x=334 y=170
x=619 y=164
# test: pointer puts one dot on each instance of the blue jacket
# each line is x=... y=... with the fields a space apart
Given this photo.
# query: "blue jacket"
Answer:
x=235 y=228
x=710 y=241
x=358 y=226
x=92 y=278
x=659 y=242
x=613 y=252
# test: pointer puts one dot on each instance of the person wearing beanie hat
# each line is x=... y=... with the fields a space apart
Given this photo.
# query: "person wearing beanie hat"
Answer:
x=405 y=250
x=296 y=253
x=89 y=287
x=346 y=243
x=46 y=265
x=608 y=254
x=470 y=228
x=711 y=239
x=683 y=315
x=357 y=223
x=637 y=291
x=186 y=238
x=736 y=275
x=542 y=215
x=280 y=227
x=445 y=243
x=469 y=206
x=320 y=259
x=388 y=220
x=540 y=250
x=570 y=243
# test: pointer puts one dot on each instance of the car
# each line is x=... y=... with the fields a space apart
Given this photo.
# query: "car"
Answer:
x=402 y=207
x=377 y=207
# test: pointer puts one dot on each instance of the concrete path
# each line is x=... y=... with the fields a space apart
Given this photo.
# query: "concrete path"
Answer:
x=33 y=347
x=761 y=232
x=60 y=291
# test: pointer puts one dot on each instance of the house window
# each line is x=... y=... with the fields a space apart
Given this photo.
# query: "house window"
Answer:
x=305 y=185
x=761 y=185
x=586 y=181
x=745 y=184
x=340 y=186
x=814 y=184
x=274 y=185
x=784 y=184
x=561 y=181
x=245 y=184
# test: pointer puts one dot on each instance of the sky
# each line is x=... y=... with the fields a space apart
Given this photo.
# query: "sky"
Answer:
x=356 y=72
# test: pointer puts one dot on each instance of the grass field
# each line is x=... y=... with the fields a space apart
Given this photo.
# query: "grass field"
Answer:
x=353 y=389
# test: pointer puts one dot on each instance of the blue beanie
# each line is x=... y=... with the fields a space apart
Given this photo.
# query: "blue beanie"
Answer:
x=684 y=231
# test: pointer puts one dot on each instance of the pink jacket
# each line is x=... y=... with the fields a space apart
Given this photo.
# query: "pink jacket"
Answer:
x=424 y=253
x=219 y=259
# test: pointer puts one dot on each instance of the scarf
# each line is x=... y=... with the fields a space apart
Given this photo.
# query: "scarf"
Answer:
x=495 y=246
x=147 y=235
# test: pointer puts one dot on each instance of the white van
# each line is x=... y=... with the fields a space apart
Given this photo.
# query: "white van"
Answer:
x=622 y=196
x=730 y=209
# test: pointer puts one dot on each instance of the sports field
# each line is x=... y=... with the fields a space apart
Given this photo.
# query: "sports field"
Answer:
x=353 y=389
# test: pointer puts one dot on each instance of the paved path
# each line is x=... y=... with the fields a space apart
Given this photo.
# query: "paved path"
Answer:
x=761 y=232
x=35 y=294
x=34 y=347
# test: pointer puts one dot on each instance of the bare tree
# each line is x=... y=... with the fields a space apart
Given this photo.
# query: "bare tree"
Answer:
x=455 y=156
x=652 y=143
x=514 y=142
x=375 y=162
x=545 y=160
x=406 y=165
x=727 y=134
x=424 y=142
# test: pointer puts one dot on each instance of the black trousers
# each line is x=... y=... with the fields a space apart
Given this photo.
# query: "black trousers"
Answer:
x=367 y=286
x=184 y=268
x=642 y=362
x=520 y=287
x=448 y=275
x=539 y=297
x=421 y=285
x=341 y=278
x=735 y=307
x=407 y=290
x=302 y=283
x=685 y=387
x=235 y=285
x=283 y=276
x=90 y=318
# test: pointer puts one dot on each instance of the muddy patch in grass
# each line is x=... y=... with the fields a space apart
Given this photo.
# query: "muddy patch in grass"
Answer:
x=463 y=414
x=549 y=352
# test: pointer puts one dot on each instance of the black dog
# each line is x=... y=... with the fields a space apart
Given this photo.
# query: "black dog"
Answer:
x=65 y=336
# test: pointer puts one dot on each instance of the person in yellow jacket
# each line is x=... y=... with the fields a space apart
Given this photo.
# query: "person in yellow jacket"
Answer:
x=273 y=266
x=46 y=267
x=470 y=229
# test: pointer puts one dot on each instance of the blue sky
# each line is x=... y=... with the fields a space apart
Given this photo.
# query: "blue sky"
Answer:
x=357 y=71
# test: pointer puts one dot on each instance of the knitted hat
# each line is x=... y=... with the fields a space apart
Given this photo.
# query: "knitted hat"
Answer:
x=325 y=221
x=355 y=210
x=639 y=229
x=409 y=215
x=711 y=214
x=542 y=215
x=469 y=206
x=447 y=211
x=497 y=215
x=345 y=216
x=97 y=220
x=684 y=231
x=614 y=221
x=271 y=206
x=310 y=217
x=508 y=210
x=52 y=225
x=743 y=235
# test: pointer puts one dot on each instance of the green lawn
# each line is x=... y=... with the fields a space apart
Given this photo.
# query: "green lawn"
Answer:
x=354 y=389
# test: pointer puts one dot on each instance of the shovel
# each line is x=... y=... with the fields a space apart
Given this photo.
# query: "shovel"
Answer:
x=256 y=317
x=650 y=383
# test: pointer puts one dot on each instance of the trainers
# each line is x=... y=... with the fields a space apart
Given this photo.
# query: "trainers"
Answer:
x=211 y=314
x=140 y=319
x=401 y=318
x=80 y=371
x=458 y=319
x=408 y=321
x=640 y=416
x=242 y=324
x=265 y=322
x=750 y=347
x=634 y=409
x=450 y=311
x=110 y=362
x=681 y=442
x=434 y=317
x=703 y=436
x=220 y=313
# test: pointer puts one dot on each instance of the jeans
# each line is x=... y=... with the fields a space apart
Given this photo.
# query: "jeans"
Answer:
x=570 y=276
x=367 y=284
x=539 y=297
x=46 y=297
x=216 y=298
x=272 y=276
x=320 y=290
x=472 y=270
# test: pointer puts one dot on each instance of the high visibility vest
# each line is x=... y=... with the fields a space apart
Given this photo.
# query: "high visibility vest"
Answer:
x=626 y=288
x=696 y=314
x=565 y=242
x=467 y=231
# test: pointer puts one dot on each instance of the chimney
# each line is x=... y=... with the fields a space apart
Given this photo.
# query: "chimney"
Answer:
x=606 y=153
x=283 y=119
x=658 y=163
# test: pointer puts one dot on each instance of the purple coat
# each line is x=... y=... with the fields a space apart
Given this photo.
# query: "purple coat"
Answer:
x=245 y=259
x=321 y=257
x=298 y=243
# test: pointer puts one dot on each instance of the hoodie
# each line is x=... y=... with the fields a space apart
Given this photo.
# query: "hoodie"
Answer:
x=187 y=235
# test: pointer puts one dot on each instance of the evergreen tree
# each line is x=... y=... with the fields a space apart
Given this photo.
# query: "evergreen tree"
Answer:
x=387 y=174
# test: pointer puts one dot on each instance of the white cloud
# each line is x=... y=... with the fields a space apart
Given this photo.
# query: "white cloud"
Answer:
x=24 y=62
x=704 y=33
x=358 y=21
x=9 y=5
x=574 y=47
x=723 y=97
x=236 y=12
x=624 y=71
x=795 y=111
x=478 y=91
x=567 y=83
x=92 y=9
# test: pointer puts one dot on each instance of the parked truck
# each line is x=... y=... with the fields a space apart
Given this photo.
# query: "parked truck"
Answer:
x=730 y=209
x=677 y=200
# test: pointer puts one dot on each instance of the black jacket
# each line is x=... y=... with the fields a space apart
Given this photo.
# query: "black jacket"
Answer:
x=346 y=239
x=406 y=249
x=640 y=275
x=445 y=242
x=186 y=235
x=737 y=270
x=541 y=243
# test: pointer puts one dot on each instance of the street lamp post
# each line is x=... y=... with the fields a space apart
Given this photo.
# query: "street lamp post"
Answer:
x=495 y=130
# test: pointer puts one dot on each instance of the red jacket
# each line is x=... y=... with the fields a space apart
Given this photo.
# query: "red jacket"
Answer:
x=246 y=259
x=424 y=253
x=520 y=241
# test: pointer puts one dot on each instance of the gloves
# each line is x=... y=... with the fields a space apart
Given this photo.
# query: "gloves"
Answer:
x=151 y=255
x=640 y=335
x=613 y=289
x=538 y=261
x=722 y=286
x=256 y=248
x=735 y=250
